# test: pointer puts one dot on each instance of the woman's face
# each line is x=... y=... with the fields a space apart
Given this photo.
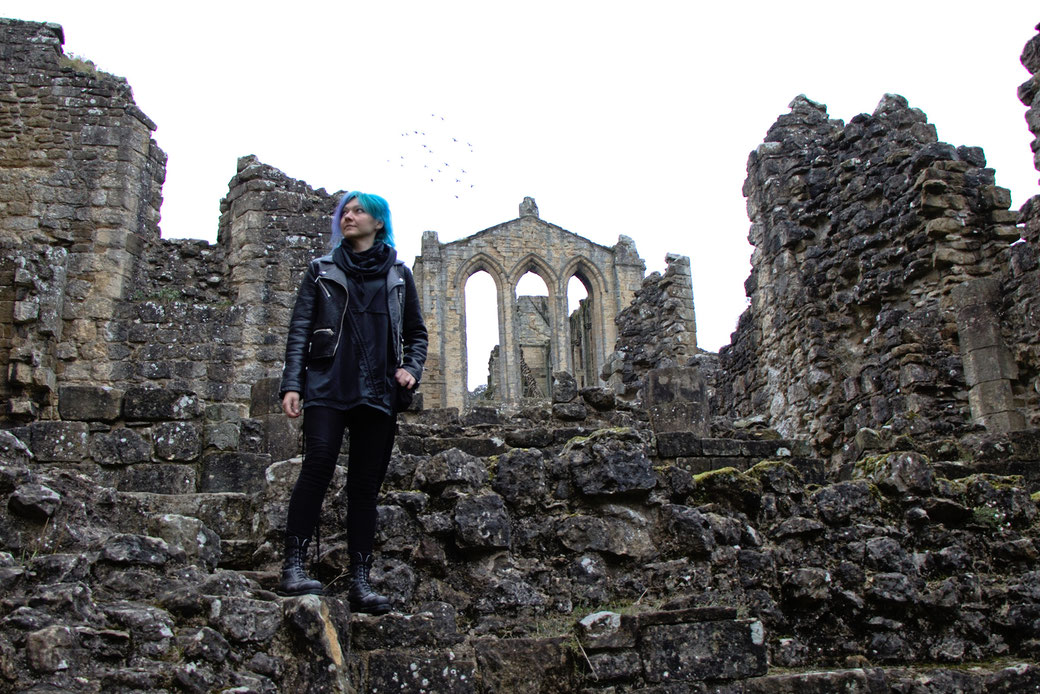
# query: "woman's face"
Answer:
x=359 y=228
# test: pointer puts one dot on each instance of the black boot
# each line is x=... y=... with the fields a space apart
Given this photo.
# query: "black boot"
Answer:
x=295 y=580
x=361 y=596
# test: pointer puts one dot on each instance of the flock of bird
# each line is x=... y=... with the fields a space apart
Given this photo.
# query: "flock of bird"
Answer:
x=433 y=153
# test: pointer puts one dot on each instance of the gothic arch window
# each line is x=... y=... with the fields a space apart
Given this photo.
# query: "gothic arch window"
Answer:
x=585 y=317
x=480 y=284
x=534 y=335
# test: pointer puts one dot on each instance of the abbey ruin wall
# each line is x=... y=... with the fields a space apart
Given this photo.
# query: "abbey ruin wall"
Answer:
x=80 y=189
x=889 y=286
x=507 y=252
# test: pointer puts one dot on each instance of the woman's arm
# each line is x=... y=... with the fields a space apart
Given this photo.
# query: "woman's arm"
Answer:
x=413 y=333
x=294 y=374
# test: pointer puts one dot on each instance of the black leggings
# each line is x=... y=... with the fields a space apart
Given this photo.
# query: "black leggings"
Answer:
x=371 y=441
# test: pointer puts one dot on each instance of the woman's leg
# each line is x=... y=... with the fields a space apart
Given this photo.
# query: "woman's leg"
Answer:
x=323 y=435
x=371 y=442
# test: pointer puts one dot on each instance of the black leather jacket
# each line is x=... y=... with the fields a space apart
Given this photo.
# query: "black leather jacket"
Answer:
x=318 y=318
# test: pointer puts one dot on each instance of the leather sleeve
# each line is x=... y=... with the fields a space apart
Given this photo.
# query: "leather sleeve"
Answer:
x=413 y=331
x=294 y=375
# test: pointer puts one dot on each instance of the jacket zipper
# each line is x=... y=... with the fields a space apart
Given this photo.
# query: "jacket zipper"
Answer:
x=328 y=295
x=324 y=289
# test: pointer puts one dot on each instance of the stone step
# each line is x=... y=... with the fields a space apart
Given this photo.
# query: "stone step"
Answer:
x=228 y=514
x=662 y=647
x=1017 y=677
x=1029 y=470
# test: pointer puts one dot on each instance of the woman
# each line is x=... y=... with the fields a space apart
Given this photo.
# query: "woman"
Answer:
x=356 y=349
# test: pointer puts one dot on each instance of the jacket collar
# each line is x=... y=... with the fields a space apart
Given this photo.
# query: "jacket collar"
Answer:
x=327 y=268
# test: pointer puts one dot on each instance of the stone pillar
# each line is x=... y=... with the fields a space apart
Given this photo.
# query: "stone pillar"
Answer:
x=271 y=226
x=988 y=366
x=428 y=269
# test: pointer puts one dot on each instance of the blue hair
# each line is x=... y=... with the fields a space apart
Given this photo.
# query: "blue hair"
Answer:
x=374 y=205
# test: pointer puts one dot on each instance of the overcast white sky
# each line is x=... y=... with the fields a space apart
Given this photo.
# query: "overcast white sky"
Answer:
x=617 y=117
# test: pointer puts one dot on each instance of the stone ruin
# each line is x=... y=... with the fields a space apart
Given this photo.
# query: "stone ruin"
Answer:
x=843 y=499
x=540 y=339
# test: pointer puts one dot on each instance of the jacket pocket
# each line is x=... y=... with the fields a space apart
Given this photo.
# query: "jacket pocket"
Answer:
x=323 y=344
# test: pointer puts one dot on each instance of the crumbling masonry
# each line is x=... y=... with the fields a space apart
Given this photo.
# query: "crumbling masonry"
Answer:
x=847 y=492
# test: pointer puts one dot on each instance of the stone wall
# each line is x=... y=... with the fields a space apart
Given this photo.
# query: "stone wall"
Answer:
x=656 y=330
x=869 y=239
x=1020 y=293
x=80 y=188
x=135 y=355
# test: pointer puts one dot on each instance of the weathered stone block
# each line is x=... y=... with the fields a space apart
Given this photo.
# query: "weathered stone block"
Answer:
x=191 y=537
x=34 y=501
x=722 y=447
x=245 y=620
x=564 y=387
x=160 y=404
x=1011 y=420
x=611 y=666
x=538 y=437
x=433 y=626
x=322 y=628
x=673 y=444
x=159 y=478
x=50 y=649
x=405 y=670
x=135 y=549
x=520 y=477
x=482 y=522
x=977 y=327
x=89 y=403
x=506 y=665
x=223 y=436
x=605 y=629
x=991 y=397
x=120 y=447
x=690 y=533
x=677 y=399
x=233 y=472
x=988 y=364
x=396 y=531
x=618 y=536
x=600 y=399
x=177 y=441
x=452 y=467
x=282 y=437
x=13 y=451
x=481 y=415
x=723 y=650
x=59 y=442
x=482 y=446
x=570 y=411
x=610 y=463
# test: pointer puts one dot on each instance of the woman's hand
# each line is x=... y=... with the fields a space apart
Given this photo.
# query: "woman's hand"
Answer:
x=291 y=404
x=403 y=378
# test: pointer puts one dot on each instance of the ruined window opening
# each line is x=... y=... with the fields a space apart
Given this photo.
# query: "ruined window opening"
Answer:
x=534 y=335
x=482 y=334
x=580 y=332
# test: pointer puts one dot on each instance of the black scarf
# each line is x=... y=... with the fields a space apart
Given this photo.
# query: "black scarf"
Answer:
x=374 y=262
